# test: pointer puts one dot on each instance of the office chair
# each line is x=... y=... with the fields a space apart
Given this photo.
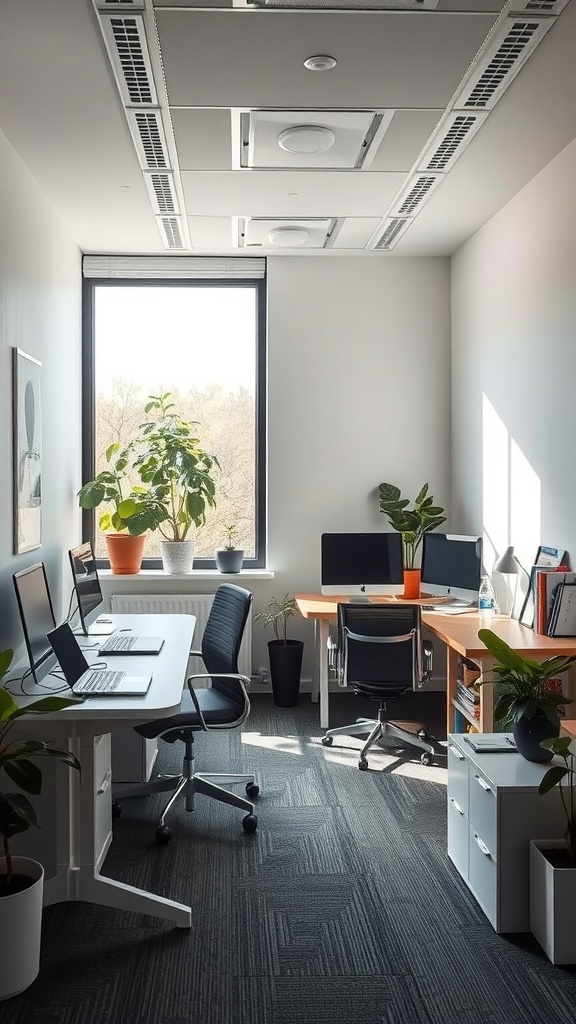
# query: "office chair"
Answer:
x=380 y=655
x=225 y=705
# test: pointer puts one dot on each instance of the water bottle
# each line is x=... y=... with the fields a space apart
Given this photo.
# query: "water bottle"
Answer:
x=486 y=598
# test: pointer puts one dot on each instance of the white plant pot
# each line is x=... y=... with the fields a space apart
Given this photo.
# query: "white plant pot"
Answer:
x=177 y=556
x=20 y=925
x=552 y=903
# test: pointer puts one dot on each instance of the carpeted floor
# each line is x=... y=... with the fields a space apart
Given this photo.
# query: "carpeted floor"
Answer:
x=341 y=909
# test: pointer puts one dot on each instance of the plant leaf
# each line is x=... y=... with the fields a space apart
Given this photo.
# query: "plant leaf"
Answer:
x=553 y=776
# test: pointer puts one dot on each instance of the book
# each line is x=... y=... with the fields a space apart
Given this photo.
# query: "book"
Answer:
x=491 y=743
x=563 y=619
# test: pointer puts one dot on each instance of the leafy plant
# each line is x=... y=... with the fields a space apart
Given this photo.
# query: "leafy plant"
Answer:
x=230 y=533
x=412 y=523
x=560 y=745
x=129 y=507
x=16 y=812
x=522 y=683
x=277 y=615
x=170 y=460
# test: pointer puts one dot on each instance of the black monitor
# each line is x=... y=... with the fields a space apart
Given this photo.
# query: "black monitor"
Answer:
x=451 y=565
x=36 y=613
x=86 y=583
x=361 y=563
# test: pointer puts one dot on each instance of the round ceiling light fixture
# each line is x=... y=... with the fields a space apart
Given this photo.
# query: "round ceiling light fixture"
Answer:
x=306 y=138
x=320 y=62
x=288 y=237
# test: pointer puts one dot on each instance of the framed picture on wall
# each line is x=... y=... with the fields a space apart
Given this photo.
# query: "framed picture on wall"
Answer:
x=27 y=451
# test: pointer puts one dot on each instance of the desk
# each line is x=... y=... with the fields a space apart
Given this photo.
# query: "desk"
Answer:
x=84 y=827
x=458 y=632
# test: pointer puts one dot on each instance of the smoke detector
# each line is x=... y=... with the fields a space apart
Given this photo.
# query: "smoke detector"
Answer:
x=288 y=237
x=306 y=138
x=320 y=62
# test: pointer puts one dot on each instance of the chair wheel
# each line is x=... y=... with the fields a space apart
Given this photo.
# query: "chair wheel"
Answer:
x=116 y=809
x=163 y=835
x=426 y=758
x=363 y=764
x=252 y=790
x=250 y=823
x=327 y=741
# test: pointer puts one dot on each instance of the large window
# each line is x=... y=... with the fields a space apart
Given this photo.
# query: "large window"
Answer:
x=203 y=342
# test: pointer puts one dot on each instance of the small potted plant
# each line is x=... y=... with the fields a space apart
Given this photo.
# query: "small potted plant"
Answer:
x=170 y=461
x=412 y=523
x=525 y=699
x=553 y=864
x=21 y=879
x=285 y=655
x=229 y=558
x=129 y=510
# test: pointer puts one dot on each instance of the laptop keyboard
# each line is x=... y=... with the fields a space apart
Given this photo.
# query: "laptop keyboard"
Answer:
x=101 y=681
x=119 y=643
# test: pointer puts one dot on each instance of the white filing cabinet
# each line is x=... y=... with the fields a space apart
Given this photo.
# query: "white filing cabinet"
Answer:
x=494 y=809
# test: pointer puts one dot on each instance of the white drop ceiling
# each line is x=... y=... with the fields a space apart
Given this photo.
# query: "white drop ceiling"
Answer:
x=153 y=127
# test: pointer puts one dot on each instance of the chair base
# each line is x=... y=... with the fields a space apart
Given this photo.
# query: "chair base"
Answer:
x=382 y=729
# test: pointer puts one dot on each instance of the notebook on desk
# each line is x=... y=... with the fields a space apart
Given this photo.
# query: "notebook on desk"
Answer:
x=97 y=682
x=127 y=643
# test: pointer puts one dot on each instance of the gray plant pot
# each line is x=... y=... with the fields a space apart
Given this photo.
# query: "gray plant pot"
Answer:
x=552 y=903
x=229 y=559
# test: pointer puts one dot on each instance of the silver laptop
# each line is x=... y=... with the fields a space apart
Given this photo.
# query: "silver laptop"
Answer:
x=97 y=682
x=127 y=643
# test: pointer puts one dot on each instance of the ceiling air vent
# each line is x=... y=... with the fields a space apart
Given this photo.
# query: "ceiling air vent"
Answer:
x=501 y=62
x=540 y=6
x=392 y=232
x=450 y=141
x=412 y=199
x=126 y=41
x=149 y=138
x=162 y=194
x=106 y=5
x=171 y=233
x=346 y=5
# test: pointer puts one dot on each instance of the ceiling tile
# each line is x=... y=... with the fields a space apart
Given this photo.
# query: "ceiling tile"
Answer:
x=202 y=139
x=405 y=139
x=212 y=233
x=350 y=128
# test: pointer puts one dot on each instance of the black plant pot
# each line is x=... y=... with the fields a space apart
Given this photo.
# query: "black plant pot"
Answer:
x=528 y=732
x=229 y=560
x=285 y=667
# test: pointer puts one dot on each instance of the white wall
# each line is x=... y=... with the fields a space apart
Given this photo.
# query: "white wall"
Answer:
x=40 y=312
x=514 y=342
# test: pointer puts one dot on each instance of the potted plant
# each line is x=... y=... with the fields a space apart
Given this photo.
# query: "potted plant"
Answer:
x=285 y=655
x=553 y=865
x=525 y=699
x=229 y=558
x=21 y=879
x=171 y=462
x=412 y=523
x=129 y=510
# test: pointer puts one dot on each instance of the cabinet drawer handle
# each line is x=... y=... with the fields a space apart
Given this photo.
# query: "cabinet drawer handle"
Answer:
x=458 y=753
x=456 y=806
x=482 y=846
x=481 y=782
x=105 y=783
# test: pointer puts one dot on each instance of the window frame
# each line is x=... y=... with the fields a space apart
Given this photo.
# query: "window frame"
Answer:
x=89 y=286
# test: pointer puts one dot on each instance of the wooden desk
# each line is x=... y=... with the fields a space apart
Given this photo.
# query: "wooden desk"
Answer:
x=458 y=632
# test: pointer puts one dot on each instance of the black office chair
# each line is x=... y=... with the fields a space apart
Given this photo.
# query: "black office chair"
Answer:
x=224 y=705
x=380 y=655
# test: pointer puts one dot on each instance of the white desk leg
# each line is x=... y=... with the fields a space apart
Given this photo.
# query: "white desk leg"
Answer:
x=323 y=634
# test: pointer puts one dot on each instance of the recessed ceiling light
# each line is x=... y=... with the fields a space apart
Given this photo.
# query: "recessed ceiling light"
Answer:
x=288 y=237
x=306 y=138
x=320 y=62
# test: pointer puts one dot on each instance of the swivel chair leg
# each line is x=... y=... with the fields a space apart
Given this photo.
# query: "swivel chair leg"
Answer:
x=373 y=737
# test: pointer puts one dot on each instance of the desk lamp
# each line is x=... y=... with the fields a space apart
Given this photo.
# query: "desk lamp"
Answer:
x=508 y=565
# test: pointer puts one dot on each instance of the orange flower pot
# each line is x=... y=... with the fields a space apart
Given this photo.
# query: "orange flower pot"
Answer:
x=125 y=553
x=412 y=579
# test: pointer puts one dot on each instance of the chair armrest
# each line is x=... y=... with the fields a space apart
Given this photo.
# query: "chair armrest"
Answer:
x=427 y=660
x=242 y=680
x=196 y=704
x=332 y=649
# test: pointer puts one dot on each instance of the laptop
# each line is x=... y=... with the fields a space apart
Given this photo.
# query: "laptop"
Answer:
x=93 y=682
x=88 y=591
x=127 y=643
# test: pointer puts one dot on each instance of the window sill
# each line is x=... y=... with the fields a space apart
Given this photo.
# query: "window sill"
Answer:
x=165 y=578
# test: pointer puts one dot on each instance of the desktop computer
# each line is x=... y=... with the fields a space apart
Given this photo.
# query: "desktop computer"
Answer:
x=451 y=566
x=36 y=614
x=359 y=564
x=88 y=591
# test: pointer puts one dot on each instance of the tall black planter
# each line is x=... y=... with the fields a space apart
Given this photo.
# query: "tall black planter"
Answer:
x=528 y=732
x=285 y=667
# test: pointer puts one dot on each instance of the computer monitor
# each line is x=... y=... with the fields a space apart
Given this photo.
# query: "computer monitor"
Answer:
x=353 y=564
x=451 y=565
x=86 y=584
x=36 y=613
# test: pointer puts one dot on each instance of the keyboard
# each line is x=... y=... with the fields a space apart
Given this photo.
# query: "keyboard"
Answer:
x=120 y=643
x=100 y=681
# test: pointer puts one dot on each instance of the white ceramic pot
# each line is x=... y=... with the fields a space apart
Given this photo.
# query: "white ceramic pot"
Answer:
x=177 y=556
x=552 y=903
x=20 y=929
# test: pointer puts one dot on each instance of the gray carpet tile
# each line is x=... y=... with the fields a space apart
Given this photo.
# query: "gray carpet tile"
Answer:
x=343 y=907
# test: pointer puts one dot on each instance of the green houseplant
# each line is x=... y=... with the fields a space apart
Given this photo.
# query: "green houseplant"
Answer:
x=285 y=655
x=229 y=558
x=21 y=879
x=170 y=461
x=525 y=699
x=128 y=512
x=412 y=524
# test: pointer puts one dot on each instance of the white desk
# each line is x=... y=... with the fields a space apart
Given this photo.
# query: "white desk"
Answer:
x=84 y=810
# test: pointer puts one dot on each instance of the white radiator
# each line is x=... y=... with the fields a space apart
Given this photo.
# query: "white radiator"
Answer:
x=184 y=604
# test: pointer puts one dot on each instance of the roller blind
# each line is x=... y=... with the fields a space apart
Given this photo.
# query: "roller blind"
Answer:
x=192 y=268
